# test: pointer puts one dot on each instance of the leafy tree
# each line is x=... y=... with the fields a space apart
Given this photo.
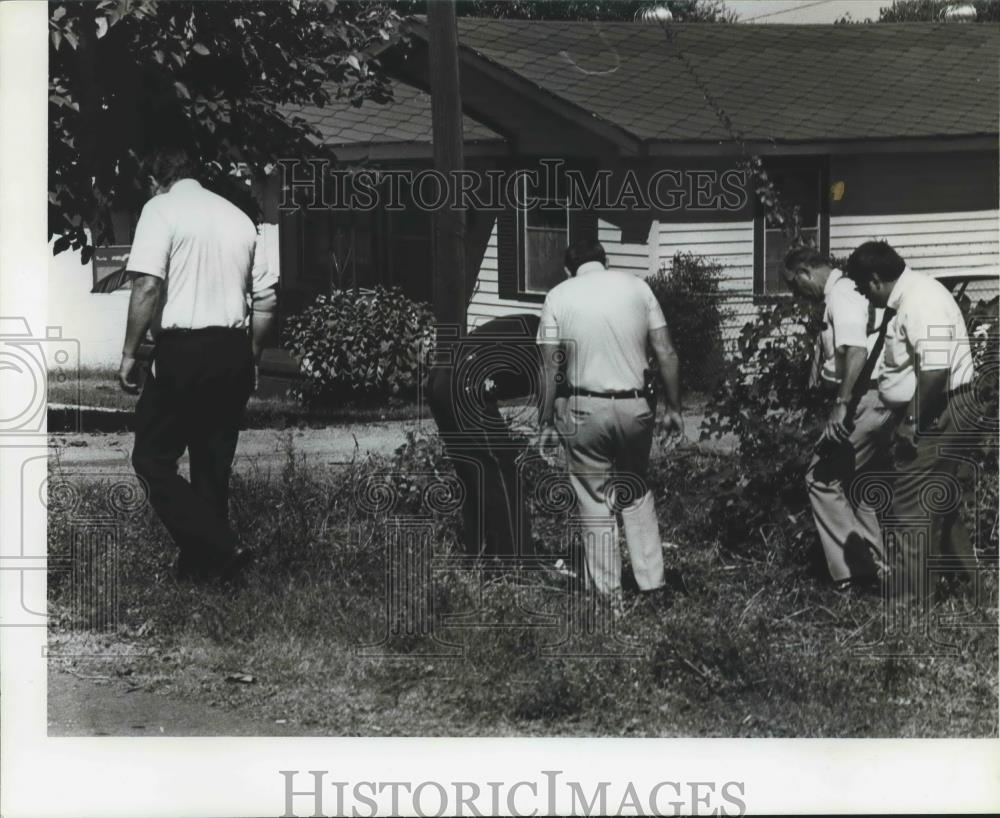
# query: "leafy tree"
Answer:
x=917 y=11
x=684 y=11
x=926 y=11
x=127 y=76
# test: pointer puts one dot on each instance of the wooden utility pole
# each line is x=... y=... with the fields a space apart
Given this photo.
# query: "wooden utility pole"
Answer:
x=446 y=120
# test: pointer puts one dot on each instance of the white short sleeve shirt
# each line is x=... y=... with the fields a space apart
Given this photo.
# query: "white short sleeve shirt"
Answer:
x=207 y=251
x=928 y=327
x=602 y=318
x=845 y=323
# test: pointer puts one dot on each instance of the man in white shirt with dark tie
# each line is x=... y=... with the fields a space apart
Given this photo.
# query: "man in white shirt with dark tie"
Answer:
x=848 y=529
x=927 y=376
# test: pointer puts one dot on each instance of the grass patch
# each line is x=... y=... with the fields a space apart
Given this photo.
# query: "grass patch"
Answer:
x=755 y=647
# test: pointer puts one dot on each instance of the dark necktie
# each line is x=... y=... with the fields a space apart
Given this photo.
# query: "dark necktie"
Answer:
x=861 y=384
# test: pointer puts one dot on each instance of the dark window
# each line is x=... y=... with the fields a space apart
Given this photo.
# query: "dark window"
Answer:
x=532 y=241
x=802 y=184
x=409 y=262
x=543 y=234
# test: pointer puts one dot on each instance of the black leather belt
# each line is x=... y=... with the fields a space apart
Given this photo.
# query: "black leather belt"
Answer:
x=621 y=394
x=202 y=331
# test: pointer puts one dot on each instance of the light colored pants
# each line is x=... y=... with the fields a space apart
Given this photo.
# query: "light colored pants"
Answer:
x=607 y=443
x=926 y=514
x=838 y=515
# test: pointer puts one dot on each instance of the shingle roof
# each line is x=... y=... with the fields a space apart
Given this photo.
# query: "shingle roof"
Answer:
x=780 y=82
x=406 y=119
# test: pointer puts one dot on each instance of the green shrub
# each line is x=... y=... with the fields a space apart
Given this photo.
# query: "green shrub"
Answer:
x=358 y=345
x=982 y=503
x=766 y=403
x=761 y=505
x=690 y=298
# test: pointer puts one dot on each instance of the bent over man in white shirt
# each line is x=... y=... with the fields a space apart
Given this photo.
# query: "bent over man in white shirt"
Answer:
x=195 y=260
x=848 y=530
x=927 y=377
x=594 y=331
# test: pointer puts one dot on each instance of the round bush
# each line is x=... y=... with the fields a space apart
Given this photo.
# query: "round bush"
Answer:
x=695 y=311
x=358 y=345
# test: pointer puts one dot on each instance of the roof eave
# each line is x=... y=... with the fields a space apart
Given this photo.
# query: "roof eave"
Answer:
x=627 y=142
x=776 y=147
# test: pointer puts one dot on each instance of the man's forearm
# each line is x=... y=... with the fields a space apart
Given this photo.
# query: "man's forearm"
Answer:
x=854 y=362
x=265 y=306
x=141 y=310
x=668 y=363
x=670 y=373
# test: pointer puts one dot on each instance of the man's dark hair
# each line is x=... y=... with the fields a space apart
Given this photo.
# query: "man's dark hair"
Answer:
x=582 y=251
x=167 y=165
x=874 y=257
x=805 y=257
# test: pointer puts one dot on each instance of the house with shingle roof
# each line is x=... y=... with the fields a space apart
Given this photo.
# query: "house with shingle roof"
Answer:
x=874 y=131
x=885 y=131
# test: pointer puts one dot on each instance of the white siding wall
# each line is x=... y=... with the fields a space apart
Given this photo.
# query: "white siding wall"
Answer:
x=626 y=256
x=486 y=302
x=730 y=243
x=962 y=242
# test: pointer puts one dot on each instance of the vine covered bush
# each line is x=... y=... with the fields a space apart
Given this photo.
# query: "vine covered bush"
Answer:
x=766 y=403
x=689 y=295
x=358 y=345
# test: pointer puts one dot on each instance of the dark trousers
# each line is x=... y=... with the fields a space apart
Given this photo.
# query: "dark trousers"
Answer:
x=194 y=400
x=494 y=511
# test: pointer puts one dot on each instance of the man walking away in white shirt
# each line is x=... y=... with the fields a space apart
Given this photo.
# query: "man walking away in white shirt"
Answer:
x=195 y=258
x=594 y=331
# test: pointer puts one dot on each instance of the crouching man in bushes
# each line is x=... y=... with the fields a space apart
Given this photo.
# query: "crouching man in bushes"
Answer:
x=497 y=361
x=857 y=430
x=928 y=377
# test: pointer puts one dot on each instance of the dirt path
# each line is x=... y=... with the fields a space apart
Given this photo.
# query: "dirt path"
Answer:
x=90 y=706
x=257 y=449
x=267 y=449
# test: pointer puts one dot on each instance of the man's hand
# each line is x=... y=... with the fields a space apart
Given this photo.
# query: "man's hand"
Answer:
x=835 y=430
x=128 y=375
x=673 y=423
